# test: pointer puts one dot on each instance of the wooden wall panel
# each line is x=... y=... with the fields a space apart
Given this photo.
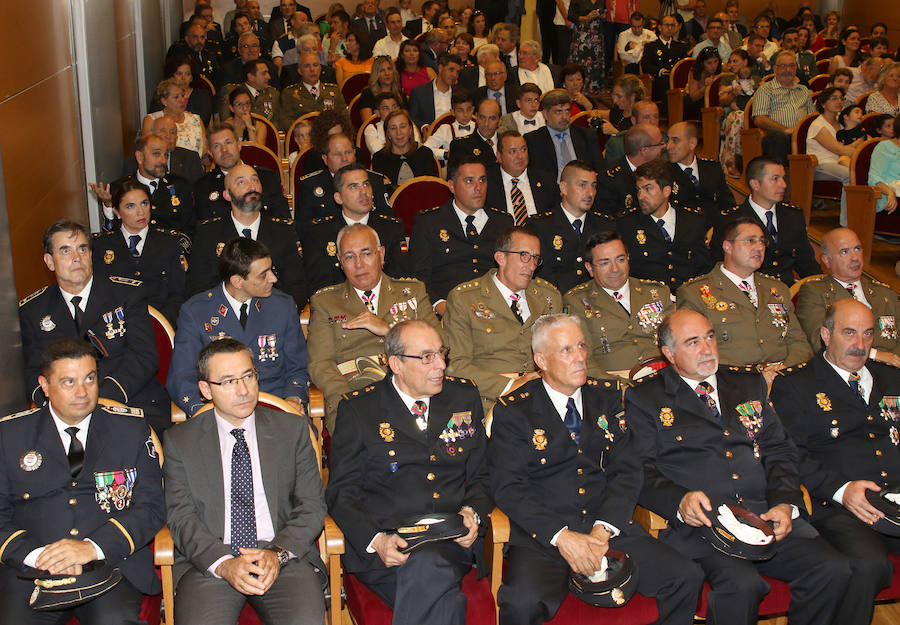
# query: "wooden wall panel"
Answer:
x=36 y=43
x=864 y=14
x=127 y=72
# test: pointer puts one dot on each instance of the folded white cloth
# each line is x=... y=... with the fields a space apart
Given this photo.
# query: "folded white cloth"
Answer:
x=743 y=532
x=894 y=498
x=601 y=574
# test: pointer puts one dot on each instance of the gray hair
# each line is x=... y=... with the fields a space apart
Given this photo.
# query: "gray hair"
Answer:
x=885 y=70
x=534 y=45
x=540 y=331
x=486 y=49
x=305 y=38
x=664 y=333
x=393 y=340
x=353 y=228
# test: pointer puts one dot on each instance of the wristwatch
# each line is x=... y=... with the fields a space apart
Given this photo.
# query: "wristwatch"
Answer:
x=282 y=554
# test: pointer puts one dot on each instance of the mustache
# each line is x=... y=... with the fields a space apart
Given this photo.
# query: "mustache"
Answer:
x=855 y=351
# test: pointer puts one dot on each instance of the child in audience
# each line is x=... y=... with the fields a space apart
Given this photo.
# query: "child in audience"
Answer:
x=462 y=105
x=883 y=126
x=528 y=117
x=851 y=125
x=301 y=137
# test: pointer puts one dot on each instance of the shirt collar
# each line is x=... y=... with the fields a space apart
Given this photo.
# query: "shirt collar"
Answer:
x=61 y=426
x=254 y=227
x=572 y=217
x=737 y=279
x=711 y=380
x=141 y=233
x=505 y=291
x=85 y=293
x=144 y=181
x=560 y=400
x=375 y=291
x=253 y=92
x=224 y=428
x=479 y=214
x=631 y=165
x=234 y=303
x=692 y=165
x=865 y=378
x=522 y=178
x=350 y=222
x=407 y=400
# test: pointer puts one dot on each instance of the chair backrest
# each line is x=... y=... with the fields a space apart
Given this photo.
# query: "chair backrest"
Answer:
x=800 y=134
x=355 y=118
x=861 y=160
x=297 y=174
x=868 y=122
x=711 y=93
x=748 y=114
x=271 y=132
x=678 y=77
x=822 y=65
x=825 y=53
x=446 y=118
x=260 y=155
x=819 y=82
x=795 y=288
x=304 y=321
x=861 y=100
x=289 y=144
x=582 y=119
x=830 y=42
x=354 y=85
x=416 y=195
x=361 y=140
x=204 y=83
x=164 y=335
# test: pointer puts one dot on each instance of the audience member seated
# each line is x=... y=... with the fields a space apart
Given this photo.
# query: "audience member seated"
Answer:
x=763 y=26
x=191 y=132
x=138 y=250
x=462 y=47
x=472 y=77
x=806 y=60
x=255 y=540
x=111 y=313
x=280 y=24
x=382 y=79
x=263 y=100
x=730 y=32
x=334 y=44
x=479 y=28
x=527 y=117
x=389 y=44
x=402 y=158
x=852 y=128
x=307 y=41
x=695 y=26
x=699 y=182
x=243 y=191
x=310 y=94
x=621 y=312
x=506 y=37
x=245 y=127
x=735 y=92
x=370 y=20
x=886 y=99
x=348 y=321
x=489 y=319
x=558 y=141
x=530 y=68
x=760 y=64
x=631 y=42
x=779 y=104
x=661 y=55
x=232 y=72
x=833 y=157
x=240 y=25
x=481 y=144
x=884 y=170
x=705 y=68
x=847 y=53
x=455 y=242
x=245 y=307
x=616 y=188
x=832 y=29
x=96 y=510
x=180 y=161
x=627 y=90
x=498 y=87
x=357 y=57
x=517 y=186
x=183 y=69
x=865 y=78
x=301 y=136
x=462 y=106
x=195 y=45
x=413 y=72
x=430 y=100
x=665 y=242
x=715 y=28
x=317 y=189
x=751 y=313
x=565 y=224
x=433 y=45
x=209 y=191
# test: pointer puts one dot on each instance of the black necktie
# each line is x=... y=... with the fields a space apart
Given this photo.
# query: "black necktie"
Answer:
x=573 y=420
x=247 y=233
x=76 y=452
x=153 y=185
x=530 y=122
x=770 y=226
x=133 y=241
x=79 y=314
x=576 y=224
x=471 y=232
x=466 y=128
x=514 y=307
x=243 y=508
x=371 y=25
x=243 y=315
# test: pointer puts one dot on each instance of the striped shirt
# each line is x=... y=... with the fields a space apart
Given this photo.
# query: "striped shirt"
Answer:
x=784 y=105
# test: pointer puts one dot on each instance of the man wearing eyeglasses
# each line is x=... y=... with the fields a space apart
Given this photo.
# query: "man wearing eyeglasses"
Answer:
x=263 y=97
x=244 y=306
x=410 y=445
x=779 y=104
x=489 y=319
x=751 y=313
x=249 y=49
x=348 y=321
x=245 y=502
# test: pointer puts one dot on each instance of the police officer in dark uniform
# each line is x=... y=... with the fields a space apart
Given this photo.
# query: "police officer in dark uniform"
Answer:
x=195 y=44
x=412 y=444
x=225 y=148
x=316 y=196
x=565 y=471
x=354 y=195
x=848 y=444
x=110 y=312
x=706 y=432
x=788 y=247
x=455 y=242
x=138 y=250
x=482 y=144
x=64 y=508
x=661 y=55
x=271 y=328
x=565 y=228
x=242 y=190
x=670 y=252
x=616 y=190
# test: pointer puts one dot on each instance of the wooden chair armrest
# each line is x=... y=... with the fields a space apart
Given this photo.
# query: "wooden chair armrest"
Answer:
x=650 y=521
x=499 y=527
x=163 y=548
x=178 y=415
x=802 y=168
x=497 y=537
x=334 y=537
x=710 y=131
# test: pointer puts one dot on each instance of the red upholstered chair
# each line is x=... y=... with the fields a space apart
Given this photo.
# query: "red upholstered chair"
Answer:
x=822 y=65
x=678 y=80
x=830 y=42
x=204 y=83
x=802 y=168
x=446 y=118
x=710 y=130
x=861 y=198
x=583 y=119
x=165 y=342
x=261 y=156
x=354 y=85
x=818 y=83
x=868 y=122
x=863 y=99
x=363 y=149
x=353 y=107
x=751 y=137
x=289 y=144
x=271 y=135
x=827 y=52
x=295 y=175
x=418 y=194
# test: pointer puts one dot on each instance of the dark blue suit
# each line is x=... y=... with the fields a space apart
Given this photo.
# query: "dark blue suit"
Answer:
x=273 y=319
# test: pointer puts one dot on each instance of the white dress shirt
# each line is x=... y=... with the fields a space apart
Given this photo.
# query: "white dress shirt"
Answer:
x=625 y=292
x=668 y=221
x=694 y=168
x=441 y=100
x=254 y=227
x=865 y=389
x=481 y=218
x=387 y=47
x=85 y=293
x=506 y=292
x=635 y=52
x=736 y=279
x=541 y=76
x=524 y=186
x=761 y=213
x=375 y=139
x=375 y=291
x=141 y=233
x=858 y=293
x=522 y=127
x=236 y=303
x=439 y=141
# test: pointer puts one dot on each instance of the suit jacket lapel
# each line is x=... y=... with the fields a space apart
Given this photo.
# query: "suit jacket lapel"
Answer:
x=266 y=447
x=50 y=440
x=96 y=440
x=211 y=461
x=96 y=304
x=402 y=418
x=62 y=314
x=686 y=398
x=354 y=302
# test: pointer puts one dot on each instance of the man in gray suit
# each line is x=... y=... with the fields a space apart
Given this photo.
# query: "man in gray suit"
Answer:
x=243 y=522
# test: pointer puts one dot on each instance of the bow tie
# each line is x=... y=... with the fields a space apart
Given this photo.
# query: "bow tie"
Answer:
x=530 y=122
x=467 y=127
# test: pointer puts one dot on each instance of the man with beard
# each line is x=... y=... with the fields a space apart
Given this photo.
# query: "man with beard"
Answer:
x=707 y=433
x=243 y=192
x=751 y=313
x=181 y=161
x=225 y=147
x=665 y=243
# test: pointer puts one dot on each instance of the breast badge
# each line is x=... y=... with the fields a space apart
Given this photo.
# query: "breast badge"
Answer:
x=444 y=235
x=31 y=460
x=640 y=236
x=890 y=407
x=823 y=402
x=539 y=440
x=386 y=432
x=331 y=248
x=650 y=316
x=557 y=242
x=267 y=349
x=887 y=327
x=213 y=196
x=708 y=298
x=750 y=414
x=114 y=489
x=483 y=311
x=47 y=324
x=666 y=417
x=109 y=256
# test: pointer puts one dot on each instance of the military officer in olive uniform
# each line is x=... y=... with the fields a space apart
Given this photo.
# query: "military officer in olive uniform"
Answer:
x=751 y=313
x=665 y=242
x=412 y=444
x=264 y=98
x=565 y=470
x=847 y=440
x=310 y=94
x=245 y=220
x=111 y=313
x=316 y=196
x=488 y=320
x=354 y=196
x=705 y=432
x=225 y=148
x=564 y=229
x=842 y=256
x=455 y=242
x=621 y=313
x=788 y=248
x=80 y=483
x=348 y=321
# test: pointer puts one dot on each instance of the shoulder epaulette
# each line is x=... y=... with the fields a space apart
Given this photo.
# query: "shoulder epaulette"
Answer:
x=467 y=286
x=24 y=301
x=691 y=209
x=322 y=220
x=626 y=211
x=544 y=283
x=496 y=210
x=167 y=231
x=16 y=415
x=97 y=235
x=125 y=281
x=405 y=279
x=874 y=281
x=743 y=368
x=361 y=391
x=707 y=160
x=428 y=210
x=692 y=280
x=612 y=172
x=544 y=215
x=310 y=175
x=466 y=381
x=645 y=378
x=580 y=287
x=128 y=411
x=788 y=370
x=326 y=289
x=728 y=211
x=329 y=84
x=282 y=220
x=648 y=281
x=789 y=205
x=769 y=276
x=390 y=218
x=203 y=222
x=609 y=384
